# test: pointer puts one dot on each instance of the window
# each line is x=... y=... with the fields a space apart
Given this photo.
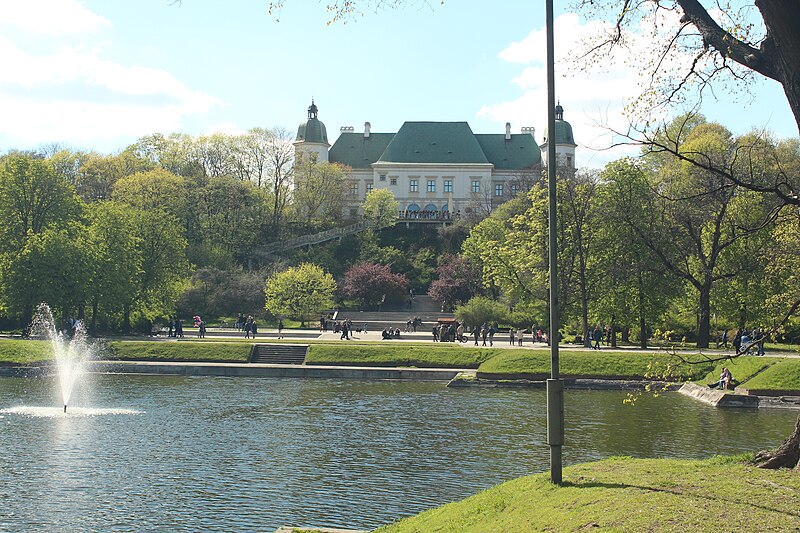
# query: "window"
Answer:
x=370 y=186
x=431 y=186
x=498 y=189
x=448 y=185
x=569 y=161
x=354 y=188
x=476 y=186
x=383 y=177
x=393 y=181
x=413 y=185
x=514 y=189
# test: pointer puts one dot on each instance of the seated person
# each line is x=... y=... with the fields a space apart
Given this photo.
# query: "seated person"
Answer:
x=397 y=333
x=725 y=380
x=387 y=333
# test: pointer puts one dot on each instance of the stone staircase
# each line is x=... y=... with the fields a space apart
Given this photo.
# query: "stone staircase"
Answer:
x=278 y=354
x=423 y=307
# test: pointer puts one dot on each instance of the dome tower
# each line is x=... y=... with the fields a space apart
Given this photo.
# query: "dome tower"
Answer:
x=565 y=142
x=312 y=138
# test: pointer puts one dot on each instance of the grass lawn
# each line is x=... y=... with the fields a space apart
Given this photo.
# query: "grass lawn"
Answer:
x=784 y=375
x=742 y=368
x=624 y=494
x=416 y=355
x=234 y=352
x=24 y=351
x=598 y=364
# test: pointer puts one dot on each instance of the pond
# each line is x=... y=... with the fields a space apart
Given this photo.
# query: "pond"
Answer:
x=166 y=453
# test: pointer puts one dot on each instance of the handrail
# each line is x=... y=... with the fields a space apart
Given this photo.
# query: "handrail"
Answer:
x=315 y=238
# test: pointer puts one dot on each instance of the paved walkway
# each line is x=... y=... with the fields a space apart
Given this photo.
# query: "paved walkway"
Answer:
x=500 y=340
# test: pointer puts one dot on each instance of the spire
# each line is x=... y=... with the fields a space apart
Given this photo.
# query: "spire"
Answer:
x=559 y=111
x=312 y=109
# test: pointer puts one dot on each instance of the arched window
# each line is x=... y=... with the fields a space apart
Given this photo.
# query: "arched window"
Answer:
x=431 y=207
x=412 y=207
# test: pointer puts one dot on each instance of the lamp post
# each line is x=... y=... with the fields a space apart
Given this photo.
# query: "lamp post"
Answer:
x=555 y=386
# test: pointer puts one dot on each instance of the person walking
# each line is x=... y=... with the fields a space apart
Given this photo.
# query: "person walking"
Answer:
x=254 y=328
x=597 y=336
x=280 y=328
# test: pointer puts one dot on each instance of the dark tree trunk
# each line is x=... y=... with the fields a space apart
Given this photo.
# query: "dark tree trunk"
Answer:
x=642 y=320
x=93 y=326
x=704 y=316
x=126 y=319
x=783 y=47
x=613 y=331
x=787 y=456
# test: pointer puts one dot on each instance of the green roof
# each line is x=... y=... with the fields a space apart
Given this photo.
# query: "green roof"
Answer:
x=563 y=133
x=519 y=152
x=434 y=142
x=312 y=130
x=357 y=151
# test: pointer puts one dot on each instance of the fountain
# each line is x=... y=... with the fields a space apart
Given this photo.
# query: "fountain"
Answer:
x=71 y=348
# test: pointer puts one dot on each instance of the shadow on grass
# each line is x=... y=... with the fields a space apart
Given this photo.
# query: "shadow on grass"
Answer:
x=696 y=494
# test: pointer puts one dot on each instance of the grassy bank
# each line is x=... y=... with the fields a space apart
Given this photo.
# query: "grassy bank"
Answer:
x=535 y=364
x=416 y=355
x=13 y=351
x=784 y=375
x=623 y=494
x=231 y=352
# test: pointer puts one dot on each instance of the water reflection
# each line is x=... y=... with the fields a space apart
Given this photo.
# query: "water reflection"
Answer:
x=221 y=454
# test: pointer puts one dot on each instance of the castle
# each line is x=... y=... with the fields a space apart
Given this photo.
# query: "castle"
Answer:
x=436 y=169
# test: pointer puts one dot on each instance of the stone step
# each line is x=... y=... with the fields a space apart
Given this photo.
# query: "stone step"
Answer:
x=278 y=354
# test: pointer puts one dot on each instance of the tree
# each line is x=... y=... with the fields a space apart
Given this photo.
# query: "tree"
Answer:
x=299 y=292
x=319 y=194
x=219 y=293
x=230 y=219
x=691 y=219
x=722 y=42
x=634 y=287
x=480 y=310
x=372 y=284
x=53 y=266
x=458 y=281
x=114 y=246
x=380 y=208
x=33 y=196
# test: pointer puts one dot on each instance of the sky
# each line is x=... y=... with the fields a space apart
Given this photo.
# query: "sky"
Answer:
x=99 y=74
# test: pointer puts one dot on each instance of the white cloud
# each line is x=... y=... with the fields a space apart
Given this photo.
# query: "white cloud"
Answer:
x=72 y=93
x=50 y=17
x=594 y=99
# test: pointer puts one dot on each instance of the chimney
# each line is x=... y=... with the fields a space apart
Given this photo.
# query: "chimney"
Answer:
x=346 y=129
x=508 y=131
x=366 y=129
x=529 y=130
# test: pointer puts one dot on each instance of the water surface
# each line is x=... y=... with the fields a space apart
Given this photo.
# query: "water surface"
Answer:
x=168 y=453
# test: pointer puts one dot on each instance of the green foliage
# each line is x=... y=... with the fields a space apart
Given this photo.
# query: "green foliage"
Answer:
x=678 y=495
x=480 y=310
x=300 y=292
x=381 y=208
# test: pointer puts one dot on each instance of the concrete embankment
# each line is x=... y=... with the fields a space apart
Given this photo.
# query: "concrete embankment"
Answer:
x=716 y=397
x=271 y=371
